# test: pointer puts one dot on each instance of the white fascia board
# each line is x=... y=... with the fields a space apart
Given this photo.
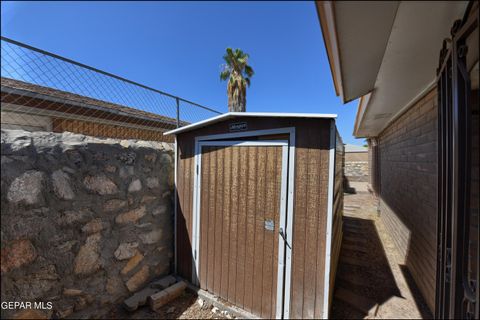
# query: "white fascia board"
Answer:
x=229 y=115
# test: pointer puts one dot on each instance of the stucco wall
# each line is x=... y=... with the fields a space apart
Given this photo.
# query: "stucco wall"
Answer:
x=85 y=221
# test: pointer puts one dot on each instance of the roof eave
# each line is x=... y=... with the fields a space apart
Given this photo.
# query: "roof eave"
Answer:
x=326 y=16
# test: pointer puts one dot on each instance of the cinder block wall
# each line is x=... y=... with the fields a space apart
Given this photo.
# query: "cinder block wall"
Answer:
x=85 y=221
x=408 y=194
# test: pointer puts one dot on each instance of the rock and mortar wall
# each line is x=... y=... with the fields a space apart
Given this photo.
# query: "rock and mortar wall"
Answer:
x=356 y=166
x=357 y=171
x=84 y=221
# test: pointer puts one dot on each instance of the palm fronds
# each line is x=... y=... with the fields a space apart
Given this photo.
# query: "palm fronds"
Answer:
x=238 y=73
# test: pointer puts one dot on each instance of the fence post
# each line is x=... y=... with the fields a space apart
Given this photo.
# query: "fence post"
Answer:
x=178 y=112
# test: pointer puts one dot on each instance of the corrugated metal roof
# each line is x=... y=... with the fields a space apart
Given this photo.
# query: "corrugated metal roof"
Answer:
x=230 y=115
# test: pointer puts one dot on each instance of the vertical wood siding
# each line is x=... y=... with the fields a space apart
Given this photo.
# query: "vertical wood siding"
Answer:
x=337 y=211
x=309 y=226
x=310 y=217
x=259 y=269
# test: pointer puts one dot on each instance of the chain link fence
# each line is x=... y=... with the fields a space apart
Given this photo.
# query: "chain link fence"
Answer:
x=47 y=92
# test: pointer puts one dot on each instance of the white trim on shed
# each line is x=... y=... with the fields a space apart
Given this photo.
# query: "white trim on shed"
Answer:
x=230 y=115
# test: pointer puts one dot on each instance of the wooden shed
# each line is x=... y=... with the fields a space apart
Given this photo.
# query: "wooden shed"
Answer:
x=258 y=210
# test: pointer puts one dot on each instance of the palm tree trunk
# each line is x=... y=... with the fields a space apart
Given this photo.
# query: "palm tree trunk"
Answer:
x=236 y=98
x=230 y=104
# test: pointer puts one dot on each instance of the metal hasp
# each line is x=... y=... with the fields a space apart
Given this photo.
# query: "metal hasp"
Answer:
x=284 y=237
x=457 y=292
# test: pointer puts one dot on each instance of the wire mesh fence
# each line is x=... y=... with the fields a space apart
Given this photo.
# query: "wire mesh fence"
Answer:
x=44 y=91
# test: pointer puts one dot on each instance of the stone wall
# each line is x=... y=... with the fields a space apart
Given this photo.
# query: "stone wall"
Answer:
x=356 y=166
x=85 y=221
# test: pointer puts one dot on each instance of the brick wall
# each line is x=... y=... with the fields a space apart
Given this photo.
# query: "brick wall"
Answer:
x=107 y=130
x=408 y=194
x=373 y=166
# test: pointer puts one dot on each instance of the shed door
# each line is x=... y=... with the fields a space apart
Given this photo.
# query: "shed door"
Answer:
x=240 y=213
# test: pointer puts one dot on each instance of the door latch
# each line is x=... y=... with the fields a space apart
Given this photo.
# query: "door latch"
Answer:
x=284 y=237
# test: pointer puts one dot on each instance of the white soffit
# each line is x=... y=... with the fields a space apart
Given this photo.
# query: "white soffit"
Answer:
x=363 y=29
x=408 y=69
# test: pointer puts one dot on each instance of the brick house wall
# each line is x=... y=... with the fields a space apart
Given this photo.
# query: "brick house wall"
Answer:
x=373 y=166
x=407 y=154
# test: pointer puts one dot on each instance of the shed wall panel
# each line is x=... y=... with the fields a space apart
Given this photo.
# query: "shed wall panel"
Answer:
x=265 y=191
x=310 y=214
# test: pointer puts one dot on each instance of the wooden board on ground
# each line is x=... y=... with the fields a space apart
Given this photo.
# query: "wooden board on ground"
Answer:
x=163 y=297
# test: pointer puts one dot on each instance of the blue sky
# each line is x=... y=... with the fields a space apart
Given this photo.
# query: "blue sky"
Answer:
x=177 y=47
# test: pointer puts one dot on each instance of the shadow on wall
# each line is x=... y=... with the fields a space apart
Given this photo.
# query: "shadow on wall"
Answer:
x=364 y=279
x=419 y=301
x=416 y=244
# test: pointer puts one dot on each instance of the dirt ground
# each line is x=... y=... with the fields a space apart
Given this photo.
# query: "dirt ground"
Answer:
x=371 y=280
x=184 y=307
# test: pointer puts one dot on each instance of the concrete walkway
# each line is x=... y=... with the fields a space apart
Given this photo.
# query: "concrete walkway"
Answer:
x=371 y=280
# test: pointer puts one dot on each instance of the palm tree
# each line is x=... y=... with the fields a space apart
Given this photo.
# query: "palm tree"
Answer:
x=238 y=73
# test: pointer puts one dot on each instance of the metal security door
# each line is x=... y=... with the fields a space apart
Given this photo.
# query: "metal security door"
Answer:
x=241 y=209
x=457 y=292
